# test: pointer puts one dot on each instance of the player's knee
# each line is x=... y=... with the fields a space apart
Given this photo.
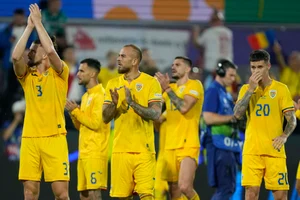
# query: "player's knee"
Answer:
x=62 y=195
x=280 y=195
x=29 y=195
x=252 y=193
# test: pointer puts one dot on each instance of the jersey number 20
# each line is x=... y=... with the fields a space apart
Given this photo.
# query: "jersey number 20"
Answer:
x=262 y=109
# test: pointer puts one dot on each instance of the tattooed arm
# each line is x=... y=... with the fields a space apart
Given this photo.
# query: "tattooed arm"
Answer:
x=109 y=111
x=183 y=105
x=291 y=122
x=242 y=105
x=149 y=113
x=279 y=141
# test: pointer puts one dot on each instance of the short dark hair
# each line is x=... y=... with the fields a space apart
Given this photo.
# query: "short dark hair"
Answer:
x=186 y=60
x=226 y=64
x=53 y=39
x=259 y=55
x=19 y=11
x=92 y=63
x=137 y=50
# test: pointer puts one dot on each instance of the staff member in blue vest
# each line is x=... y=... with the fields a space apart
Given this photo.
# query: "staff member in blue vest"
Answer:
x=221 y=140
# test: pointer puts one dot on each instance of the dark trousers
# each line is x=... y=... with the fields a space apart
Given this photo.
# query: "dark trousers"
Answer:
x=222 y=168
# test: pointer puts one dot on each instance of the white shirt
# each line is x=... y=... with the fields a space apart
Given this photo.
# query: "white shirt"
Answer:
x=217 y=43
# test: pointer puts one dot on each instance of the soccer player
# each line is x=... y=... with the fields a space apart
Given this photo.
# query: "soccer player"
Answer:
x=161 y=187
x=44 y=79
x=93 y=132
x=265 y=102
x=297 y=106
x=184 y=101
x=133 y=100
x=221 y=141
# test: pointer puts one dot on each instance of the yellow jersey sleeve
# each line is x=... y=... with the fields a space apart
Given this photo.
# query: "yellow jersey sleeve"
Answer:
x=91 y=121
x=155 y=92
x=107 y=97
x=64 y=74
x=242 y=92
x=286 y=102
x=194 y=89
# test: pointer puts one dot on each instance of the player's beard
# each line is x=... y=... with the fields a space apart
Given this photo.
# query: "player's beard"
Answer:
x=176 y=77
x=123 y=70
x=31 y=63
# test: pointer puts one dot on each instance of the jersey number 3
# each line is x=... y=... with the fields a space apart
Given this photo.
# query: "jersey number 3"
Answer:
x=39 y=89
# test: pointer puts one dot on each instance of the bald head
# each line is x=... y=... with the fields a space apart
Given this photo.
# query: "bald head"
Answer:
x=137 y=52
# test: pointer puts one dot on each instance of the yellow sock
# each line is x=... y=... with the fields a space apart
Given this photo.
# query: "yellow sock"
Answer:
x=195 y=197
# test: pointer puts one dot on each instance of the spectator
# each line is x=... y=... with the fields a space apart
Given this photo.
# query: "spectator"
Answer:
x=9 y=36
x=289 y=72
x=216 y=41
x=12 y=131
x=110 y=71
x=54 y=18
x=148 y=65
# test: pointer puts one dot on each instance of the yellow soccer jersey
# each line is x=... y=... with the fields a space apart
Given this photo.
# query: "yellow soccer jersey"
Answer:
x=132 y=132
x=93 y=132
x=183 y=130
x=292 y=80
x=265 y=118
x=106 y=74
x=45 y=96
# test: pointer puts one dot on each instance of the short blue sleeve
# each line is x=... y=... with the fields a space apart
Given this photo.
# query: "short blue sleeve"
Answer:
x=211 y=100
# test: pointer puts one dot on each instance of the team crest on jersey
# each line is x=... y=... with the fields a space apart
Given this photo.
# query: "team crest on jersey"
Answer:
x=139 y=87
x=181 y=89
x=273 y=93
x=46 y=73
x=89 y=101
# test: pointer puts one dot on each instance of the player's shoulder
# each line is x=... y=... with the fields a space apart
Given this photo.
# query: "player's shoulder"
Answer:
x=115 y=81
x=279 y=84
x=244 y=87
x=147 y=77
x=195 y=83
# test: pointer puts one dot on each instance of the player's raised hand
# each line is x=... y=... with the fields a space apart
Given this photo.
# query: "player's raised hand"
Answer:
x=163 y=79
x=35 y=13
x=254 y=80
x=71 y=105
x=114 y=96
x=30 y=22
x=128 y=95
x=277 y=47
x=279 y=141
